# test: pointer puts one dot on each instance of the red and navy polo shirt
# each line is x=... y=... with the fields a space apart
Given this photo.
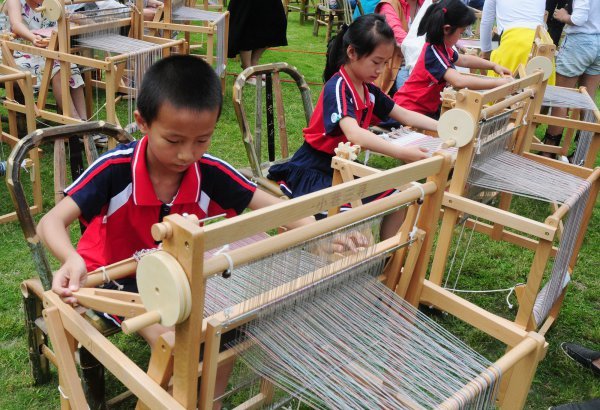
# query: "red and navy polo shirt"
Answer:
x=339 y=99
x=421 y=92
x=119 y=206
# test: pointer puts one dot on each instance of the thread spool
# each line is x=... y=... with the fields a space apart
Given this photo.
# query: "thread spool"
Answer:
x=456 y=128
x=165 y=292
x=51 y=9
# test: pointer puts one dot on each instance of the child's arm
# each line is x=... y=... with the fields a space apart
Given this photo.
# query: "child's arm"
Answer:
x=21 y=29
x=470 y=61
x=413 y=119
x=367 y=140
x=352 y=241
x=261 y=199
x=52 y=229
x=459 y=80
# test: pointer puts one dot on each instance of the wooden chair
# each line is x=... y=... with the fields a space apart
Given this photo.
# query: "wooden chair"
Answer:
x=327 y=16
x=270 y=116
x=175 y=358
x=40 y=353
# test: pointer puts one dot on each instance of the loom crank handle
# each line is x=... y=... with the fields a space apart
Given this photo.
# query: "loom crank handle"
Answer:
x=165 y=292
x=134 y=324
x=52 y=9
x=163 y=230
x=456 y=128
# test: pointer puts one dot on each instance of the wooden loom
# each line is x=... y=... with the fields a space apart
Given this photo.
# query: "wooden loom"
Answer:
x=184 y=243
x=214 y=25
x=470 y=109
x=60 y=49
x=10 y=77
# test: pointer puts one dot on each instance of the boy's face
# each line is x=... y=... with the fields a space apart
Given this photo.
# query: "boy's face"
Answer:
x=177 y=137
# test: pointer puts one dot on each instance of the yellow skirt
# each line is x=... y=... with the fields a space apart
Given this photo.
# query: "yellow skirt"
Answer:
x=514 y=50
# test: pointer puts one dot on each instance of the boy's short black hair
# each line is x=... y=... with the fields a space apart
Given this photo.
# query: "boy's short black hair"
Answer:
x=184 y=81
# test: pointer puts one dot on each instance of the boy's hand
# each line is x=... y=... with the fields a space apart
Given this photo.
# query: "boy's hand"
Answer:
x=561 y=15
x=414 y=153
x=69 y=278
x=350 y=242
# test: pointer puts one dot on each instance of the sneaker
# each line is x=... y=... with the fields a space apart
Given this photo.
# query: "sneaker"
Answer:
x=582 y=355
x=100 y=140
x=252 y=81
x=586 y=405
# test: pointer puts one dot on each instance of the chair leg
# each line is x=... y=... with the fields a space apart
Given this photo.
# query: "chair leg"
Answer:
x=39 y=364
x=316 y=25
x=330 y=20
x=92 y=377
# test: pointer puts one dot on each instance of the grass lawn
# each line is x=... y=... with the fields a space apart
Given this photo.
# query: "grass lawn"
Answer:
x=489 y=265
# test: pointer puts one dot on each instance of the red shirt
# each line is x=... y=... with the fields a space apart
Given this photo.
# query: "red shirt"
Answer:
x=421 y=92
x=340 y=99
x=119 y=206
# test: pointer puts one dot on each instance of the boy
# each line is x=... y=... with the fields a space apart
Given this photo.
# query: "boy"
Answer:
x=122 y=194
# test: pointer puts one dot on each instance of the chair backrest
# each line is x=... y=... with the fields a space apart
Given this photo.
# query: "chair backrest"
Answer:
x=15 y=186
x=266 y=106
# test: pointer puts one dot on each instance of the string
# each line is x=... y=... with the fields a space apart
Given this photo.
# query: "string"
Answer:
x=498 y=169
x=353 y=343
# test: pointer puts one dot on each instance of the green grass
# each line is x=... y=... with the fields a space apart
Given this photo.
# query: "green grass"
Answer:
x=489 y=265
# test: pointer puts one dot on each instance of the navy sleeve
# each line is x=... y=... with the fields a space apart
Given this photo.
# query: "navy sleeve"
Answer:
x=383 y=103
x=106 y=177
x=435 y=63
x=337 y=104
x=454 y=55
x=229 y=189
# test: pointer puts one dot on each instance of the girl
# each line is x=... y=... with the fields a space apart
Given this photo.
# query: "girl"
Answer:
x=348 y=104
x=25 y=21
x=443 y=24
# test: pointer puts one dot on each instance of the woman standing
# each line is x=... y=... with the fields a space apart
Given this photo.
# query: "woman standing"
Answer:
x=255 y=25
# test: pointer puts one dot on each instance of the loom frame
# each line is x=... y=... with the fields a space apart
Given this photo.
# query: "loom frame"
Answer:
x=60 y=49
x=168 y=26
x=477 y=104
x=8 y=77
x=186 y=241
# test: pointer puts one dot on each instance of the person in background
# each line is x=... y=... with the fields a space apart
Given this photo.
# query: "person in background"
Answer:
x=28 y=24
x=578 y=59
x=516 y=21
x=399 y=14
x=254 y=26
x=555 y=27
x=443 y=24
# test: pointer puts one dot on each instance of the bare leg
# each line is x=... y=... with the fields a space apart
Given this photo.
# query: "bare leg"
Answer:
x=78 y=99
x=246 y=58
x=391 y=224
x=562 y=81
x=591 y=83
x=58 y=93
x=256 y=54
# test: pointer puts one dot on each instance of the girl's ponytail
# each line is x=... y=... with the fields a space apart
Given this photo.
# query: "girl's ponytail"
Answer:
x=336 y=54
x=445 y=12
